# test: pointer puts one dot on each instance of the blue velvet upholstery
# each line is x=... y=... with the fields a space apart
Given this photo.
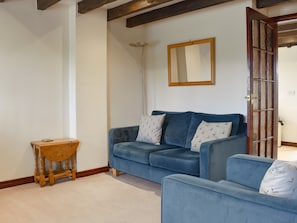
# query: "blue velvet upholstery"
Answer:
x=176 y=131
x=137 y=151
x=214 y=154
x=179 y=160
x=189 y=199
x=237 y=185
x=119 y=135
x=173 y=155
x=175 y=127
x=251 y=172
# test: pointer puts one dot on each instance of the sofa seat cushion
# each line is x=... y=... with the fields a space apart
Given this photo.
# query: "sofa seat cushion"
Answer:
x=236 y=185
x=178 y=159
x=137 y=151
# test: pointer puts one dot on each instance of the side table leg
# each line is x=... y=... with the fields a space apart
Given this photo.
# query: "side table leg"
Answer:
x=67 y=165
x=51 y=174
x=36 y=174
x=42 y=169
x=60 y=166
x=73 y=160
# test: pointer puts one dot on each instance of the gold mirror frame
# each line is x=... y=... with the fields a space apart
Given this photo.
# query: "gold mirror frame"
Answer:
x=191 y=63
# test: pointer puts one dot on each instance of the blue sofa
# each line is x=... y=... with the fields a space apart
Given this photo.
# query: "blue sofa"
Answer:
x=173 y=155
x=236 y=199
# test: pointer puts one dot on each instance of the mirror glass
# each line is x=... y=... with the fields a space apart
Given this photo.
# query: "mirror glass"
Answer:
x=191 y=63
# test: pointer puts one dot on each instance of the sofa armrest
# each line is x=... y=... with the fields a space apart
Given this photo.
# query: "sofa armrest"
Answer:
x=247 y=170
x=123 y=134
x=189 y=199
x=214 y=155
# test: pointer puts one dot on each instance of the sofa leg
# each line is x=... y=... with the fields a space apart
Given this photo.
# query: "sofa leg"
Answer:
x=115 y=172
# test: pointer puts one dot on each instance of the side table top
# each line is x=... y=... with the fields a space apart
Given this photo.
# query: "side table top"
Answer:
x=47 y=142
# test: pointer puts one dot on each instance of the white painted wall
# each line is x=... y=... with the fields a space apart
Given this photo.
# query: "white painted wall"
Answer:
x=31 y=87
x=125 y=71
x=224 y=22
x=53 y=83
x=92 y=89
x=287 y=63
x=54 y=69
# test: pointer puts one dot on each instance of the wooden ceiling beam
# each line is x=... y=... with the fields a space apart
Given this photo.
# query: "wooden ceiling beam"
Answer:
x=287 y=41
x=288 y=26
x=88 y=5
x=287 y=34
x=268 y=3
x=132 y=7
x=44 y=4
x=171 y=10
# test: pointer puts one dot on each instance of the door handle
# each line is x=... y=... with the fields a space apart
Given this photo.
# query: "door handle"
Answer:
x=248 y=97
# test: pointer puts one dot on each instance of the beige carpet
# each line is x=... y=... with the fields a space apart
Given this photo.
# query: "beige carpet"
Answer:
x=99 y=198
x=288 y=153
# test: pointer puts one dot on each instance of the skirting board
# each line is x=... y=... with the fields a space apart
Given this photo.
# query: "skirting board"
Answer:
x=16 y=182
x=26 y=180
x=92 y=172
x=289 y=144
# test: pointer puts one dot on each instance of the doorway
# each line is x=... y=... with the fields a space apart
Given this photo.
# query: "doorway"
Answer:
x=287 y=63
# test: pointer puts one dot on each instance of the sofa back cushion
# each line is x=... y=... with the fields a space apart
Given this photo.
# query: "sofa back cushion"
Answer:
x=179 y=128
x=175 y=127
x=236 y=119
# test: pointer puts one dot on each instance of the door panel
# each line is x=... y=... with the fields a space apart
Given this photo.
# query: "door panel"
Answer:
x=262 y=87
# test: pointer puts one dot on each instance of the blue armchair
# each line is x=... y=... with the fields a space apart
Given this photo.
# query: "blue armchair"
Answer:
x=187 y=199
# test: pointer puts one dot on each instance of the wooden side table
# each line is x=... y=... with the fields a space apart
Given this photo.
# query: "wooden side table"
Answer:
x=61 y=151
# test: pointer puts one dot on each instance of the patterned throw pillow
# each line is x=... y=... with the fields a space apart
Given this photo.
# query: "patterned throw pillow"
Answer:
x=280 y=180
x=150 y=129
x=208 y=131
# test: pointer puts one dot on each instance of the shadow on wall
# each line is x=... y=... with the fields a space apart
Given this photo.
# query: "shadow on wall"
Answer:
x=27 y=14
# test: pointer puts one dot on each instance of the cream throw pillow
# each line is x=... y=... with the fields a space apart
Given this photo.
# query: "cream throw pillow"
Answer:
x=280 y=180
x=150 y=128
x=208 y=131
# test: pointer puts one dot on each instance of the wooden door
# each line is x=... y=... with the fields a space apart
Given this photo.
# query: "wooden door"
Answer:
x=262 y=87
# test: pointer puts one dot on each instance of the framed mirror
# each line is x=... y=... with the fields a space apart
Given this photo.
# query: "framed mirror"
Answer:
x=191 y=63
